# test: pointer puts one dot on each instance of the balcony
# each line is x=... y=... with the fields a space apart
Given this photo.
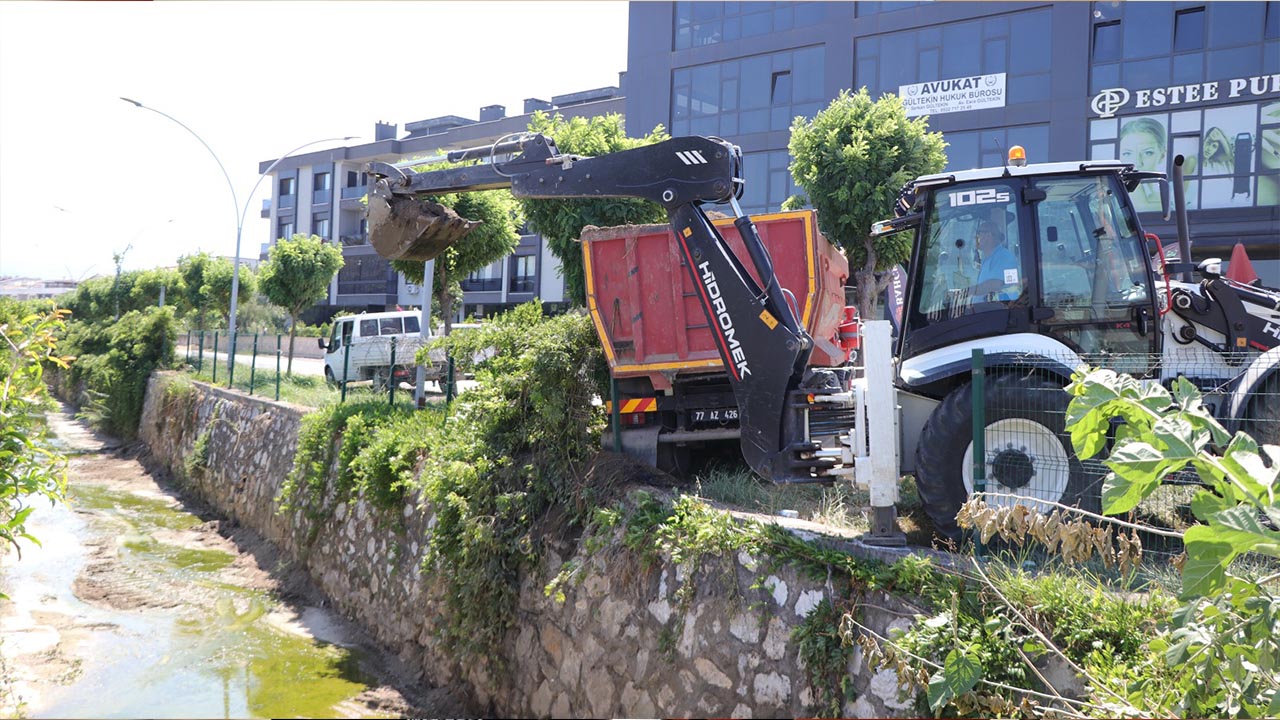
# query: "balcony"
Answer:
x=522 y=284
x=288 y=201
x=266 y=207
x=482 y=285
x=321 y=197
x=354 y=193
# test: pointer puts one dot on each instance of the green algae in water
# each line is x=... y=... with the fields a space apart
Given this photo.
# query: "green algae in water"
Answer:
x=147 y=514
x=280 y=675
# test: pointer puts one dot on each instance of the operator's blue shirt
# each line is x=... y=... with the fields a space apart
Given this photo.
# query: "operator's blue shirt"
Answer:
x=995 y=267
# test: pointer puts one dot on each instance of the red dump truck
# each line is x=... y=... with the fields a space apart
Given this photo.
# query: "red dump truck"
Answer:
x=672 y=390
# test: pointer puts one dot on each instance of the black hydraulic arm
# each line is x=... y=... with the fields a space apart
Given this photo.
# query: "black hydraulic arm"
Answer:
x=762 y=345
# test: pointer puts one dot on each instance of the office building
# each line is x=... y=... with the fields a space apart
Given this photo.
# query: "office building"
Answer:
x=1139 y=81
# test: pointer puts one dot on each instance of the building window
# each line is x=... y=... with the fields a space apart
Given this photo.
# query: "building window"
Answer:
x=286 y=186
x=486 y=279
x=320 y=227
x=286 y=230
x=1188 y=30
x=768 y=181
x=990 y=147
x=523 y=274
x=1015 y=44
x=706 y=23
x=322 y=181
x=1106 y=42
x=749 y=95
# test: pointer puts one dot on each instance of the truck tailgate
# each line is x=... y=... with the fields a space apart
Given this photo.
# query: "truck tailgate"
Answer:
x=646 y=309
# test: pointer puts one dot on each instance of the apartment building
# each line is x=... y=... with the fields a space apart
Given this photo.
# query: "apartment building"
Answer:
x=321 y=193
x=1138 y=81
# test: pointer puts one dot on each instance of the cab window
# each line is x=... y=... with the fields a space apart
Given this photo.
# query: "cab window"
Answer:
x=368 y=328
x=411 y=325
x=1092 y=272
x=972 y=252
x=340 y=335
x=391 y=326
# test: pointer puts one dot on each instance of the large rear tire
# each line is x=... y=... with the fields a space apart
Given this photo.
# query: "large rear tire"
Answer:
x=1262 y=415
x=1028 y=453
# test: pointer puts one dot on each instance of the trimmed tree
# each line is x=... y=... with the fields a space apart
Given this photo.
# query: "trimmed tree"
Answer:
x=495 y=238
x=851 y=160
x=191 y=271
x=560 y=222
x=217 y=285
x=297 y=275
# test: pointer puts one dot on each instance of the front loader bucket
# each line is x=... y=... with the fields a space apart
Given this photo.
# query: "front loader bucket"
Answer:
x=404 y=228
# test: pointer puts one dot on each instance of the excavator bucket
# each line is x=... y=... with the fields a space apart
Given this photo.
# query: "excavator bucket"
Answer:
x=404 y=228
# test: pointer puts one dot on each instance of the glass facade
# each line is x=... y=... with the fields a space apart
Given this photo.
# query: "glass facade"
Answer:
x=706 y=23
x=1018 y=44
x=748 y=95
x=769 y=181
x=986 y=148
x=1157 y=44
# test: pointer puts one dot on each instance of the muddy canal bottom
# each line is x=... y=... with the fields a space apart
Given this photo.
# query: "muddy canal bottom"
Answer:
x=134 y=607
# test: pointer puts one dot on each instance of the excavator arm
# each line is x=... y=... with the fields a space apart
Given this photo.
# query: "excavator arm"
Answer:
x=764 y=348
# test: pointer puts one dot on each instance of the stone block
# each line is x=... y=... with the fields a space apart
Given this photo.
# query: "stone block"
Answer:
x=776 y=639
x=745 y=627
x=778 y=588
x=711 y=674
x=772 y=689
x=884 y=685
x=808 y=600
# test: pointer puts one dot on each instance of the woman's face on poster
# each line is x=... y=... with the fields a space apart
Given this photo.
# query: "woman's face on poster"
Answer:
x=1143 y=150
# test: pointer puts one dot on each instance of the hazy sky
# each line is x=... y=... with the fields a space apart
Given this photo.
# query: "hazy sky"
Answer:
x=84 y=175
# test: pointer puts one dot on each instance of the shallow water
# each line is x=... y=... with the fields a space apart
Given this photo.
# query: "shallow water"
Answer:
x=211 y=651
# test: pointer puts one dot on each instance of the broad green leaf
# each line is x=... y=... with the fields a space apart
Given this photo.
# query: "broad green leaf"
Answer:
x=1207 y=559
x=1242 y=461
x=1137 y=469
x=1179 y=438
x=1185 y=394
x=960 y=673
x=1206 y=503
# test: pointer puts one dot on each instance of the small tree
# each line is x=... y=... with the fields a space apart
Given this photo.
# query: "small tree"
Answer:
x=561 y=221
x=191 y=270
x=851 y=160
x=492 y=240
x=217 y=285
x=297 y=275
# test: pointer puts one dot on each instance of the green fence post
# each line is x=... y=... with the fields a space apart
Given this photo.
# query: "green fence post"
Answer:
x=231 y=360
x=978 y=400
x=200 y=358
x=253 y=362
x=277 y=374
x=346 y=360
x=215 y=357
x=186 y=350
x=615 y=415
x=449 y=389
x=391 y=376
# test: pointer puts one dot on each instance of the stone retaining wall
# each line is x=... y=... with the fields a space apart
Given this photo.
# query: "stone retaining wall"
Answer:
x=619 y=645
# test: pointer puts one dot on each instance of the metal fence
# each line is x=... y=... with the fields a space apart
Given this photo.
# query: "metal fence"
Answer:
x=1021 y=453
x=265 y=358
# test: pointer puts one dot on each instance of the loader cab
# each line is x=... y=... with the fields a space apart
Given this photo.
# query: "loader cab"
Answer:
x=1051 y=249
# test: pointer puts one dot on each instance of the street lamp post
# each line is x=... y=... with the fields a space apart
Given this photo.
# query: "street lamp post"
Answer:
x=240 y=216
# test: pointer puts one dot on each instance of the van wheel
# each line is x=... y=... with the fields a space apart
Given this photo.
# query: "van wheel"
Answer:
x=328 y=376
x=1028 y=453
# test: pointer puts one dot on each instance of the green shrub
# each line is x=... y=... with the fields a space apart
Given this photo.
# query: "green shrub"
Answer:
x=113 y=360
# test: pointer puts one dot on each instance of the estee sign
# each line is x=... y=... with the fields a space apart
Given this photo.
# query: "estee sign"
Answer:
x=953 y=95
x=1107 y=102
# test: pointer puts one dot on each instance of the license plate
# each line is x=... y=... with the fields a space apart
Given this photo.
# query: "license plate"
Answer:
x=717 y=415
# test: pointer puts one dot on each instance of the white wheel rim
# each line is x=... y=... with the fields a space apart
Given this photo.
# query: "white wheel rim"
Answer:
x=1048 y=458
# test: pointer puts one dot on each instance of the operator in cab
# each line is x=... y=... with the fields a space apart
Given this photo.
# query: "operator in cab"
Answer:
x=998 y=274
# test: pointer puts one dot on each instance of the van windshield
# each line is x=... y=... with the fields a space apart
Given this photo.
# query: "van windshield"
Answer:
x=411 y=325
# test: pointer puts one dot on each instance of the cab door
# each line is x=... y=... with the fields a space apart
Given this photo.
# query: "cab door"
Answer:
x=1096 y=293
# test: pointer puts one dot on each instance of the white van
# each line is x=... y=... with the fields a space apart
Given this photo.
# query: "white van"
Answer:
x=363 y=343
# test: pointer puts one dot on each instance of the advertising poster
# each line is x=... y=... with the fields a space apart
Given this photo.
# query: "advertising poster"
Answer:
x=1144 y=141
